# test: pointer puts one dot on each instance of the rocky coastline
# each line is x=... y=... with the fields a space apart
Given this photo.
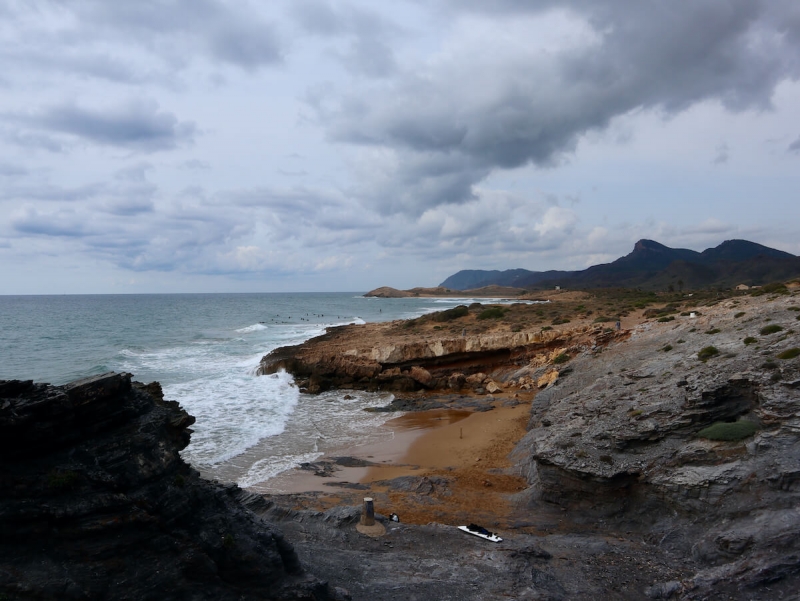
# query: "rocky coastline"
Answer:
x=614 y=449
x=96 y=503
x=659 y=460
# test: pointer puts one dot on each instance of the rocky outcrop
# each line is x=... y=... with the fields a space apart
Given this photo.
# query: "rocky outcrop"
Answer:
x=376 y=357
x=96 y=503
x=617 y=443
x=485 y=292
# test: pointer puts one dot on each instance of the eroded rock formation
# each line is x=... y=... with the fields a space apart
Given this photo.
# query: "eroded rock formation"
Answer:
x=617 y=443
x=96 y=503
x=381 y=357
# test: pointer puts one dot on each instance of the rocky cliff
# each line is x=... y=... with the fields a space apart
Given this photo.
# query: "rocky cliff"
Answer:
x=665 y=465
x=623 y=443
x=384 y=357
x=96 y=503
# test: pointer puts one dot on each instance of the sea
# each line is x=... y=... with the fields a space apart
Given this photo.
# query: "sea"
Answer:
x=204 y=349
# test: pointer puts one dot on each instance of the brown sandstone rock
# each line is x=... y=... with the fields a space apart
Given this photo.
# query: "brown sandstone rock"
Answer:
x=547 y=379
x=421 y=375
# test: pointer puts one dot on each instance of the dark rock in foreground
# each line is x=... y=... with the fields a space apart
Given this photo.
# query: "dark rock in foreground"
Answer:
x=96 y=503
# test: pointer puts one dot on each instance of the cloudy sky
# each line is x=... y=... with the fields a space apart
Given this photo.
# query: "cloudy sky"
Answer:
x=314 y=145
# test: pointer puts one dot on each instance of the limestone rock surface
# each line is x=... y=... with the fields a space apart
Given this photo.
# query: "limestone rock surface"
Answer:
x=617 y=443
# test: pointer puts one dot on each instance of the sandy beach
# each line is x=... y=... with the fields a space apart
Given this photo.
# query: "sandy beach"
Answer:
x=443 y=465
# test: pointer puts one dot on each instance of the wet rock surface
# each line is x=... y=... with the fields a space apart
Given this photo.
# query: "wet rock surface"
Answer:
x=96 y=503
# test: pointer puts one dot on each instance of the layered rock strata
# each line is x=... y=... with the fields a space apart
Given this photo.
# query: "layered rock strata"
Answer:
x=96 y=503
x=377 y=357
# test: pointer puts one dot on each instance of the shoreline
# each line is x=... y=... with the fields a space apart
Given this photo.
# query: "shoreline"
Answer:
x=441 y=465
x=392 y=452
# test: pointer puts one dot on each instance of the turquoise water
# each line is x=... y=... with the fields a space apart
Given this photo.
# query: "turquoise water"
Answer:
x=204 y=350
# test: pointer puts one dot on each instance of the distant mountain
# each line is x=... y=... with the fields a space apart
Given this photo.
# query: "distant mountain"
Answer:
x=741 y=250
x=653 y=266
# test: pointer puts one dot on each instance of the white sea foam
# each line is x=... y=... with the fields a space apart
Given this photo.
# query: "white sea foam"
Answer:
x=319 y=424
x=256 y=327
x=234 y=413
x=271 y=466
x=250 y=428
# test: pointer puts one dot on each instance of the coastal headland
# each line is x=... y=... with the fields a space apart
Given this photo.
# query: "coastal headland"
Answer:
x=492 y=291
x=548 y=424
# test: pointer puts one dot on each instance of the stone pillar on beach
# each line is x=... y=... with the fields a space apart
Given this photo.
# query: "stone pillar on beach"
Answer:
x=368 y=513
x=367 y=524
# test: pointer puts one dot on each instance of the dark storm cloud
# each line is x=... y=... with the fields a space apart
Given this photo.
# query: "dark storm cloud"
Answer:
x=510 y=110
x=137 y=125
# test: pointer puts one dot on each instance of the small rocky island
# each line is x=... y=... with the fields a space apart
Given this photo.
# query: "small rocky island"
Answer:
x=655 y=459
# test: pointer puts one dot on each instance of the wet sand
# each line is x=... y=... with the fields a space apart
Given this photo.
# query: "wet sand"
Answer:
x=466 y=450
x=392 y=452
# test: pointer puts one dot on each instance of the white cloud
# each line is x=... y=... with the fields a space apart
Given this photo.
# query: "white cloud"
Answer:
x=205 y=144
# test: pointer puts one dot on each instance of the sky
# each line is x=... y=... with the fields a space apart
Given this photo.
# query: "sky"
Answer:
x=319 y=145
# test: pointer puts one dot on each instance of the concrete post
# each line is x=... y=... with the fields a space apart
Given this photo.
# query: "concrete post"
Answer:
x=368 y=513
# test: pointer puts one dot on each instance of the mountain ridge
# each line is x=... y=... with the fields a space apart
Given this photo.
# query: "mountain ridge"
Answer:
x=652 y=265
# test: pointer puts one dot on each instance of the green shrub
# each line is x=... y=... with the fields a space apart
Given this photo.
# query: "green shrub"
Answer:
x=713 y=331
x=545 y=328
x=451 y=314
x=749 y=340
x=707 y=352
x=559 y=321
x=667 y=348
x=492 y=313
x=789 y=353
x=793 y=308
x=738 y=315
x=562 y=358
x=729 y=430
x=770 y=329
x=769 y=365
x=666 y=319
x=774 y=288
x=603 y=319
